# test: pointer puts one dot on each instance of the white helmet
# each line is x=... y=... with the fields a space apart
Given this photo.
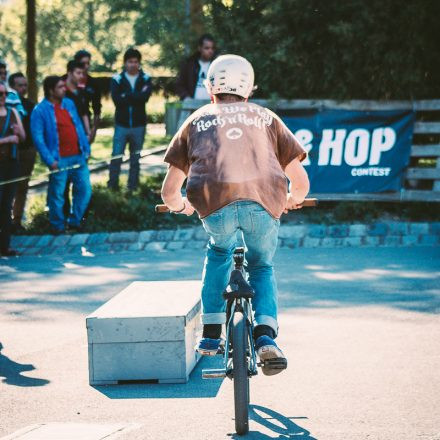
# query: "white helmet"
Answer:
x=230 y=74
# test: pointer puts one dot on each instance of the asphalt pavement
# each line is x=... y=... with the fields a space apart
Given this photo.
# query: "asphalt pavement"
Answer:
x=360 y=327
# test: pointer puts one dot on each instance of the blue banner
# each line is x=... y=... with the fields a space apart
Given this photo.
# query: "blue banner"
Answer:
x=354 y=151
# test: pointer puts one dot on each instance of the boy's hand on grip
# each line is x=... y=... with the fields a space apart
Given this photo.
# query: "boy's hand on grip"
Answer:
x=293 y=202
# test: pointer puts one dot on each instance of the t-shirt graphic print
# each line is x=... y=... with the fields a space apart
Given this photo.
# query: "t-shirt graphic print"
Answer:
x=234 y=151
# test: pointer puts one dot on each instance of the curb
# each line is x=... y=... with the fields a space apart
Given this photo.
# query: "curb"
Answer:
x=382 y=234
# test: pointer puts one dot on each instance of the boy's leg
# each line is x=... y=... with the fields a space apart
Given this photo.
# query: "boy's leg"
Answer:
x=136 y=143
x=81 y=192
x=221 y=227
x=119 y=142
x=55 y=196
x=260 y=231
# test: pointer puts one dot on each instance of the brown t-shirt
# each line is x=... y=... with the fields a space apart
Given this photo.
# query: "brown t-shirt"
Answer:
x=234 y=151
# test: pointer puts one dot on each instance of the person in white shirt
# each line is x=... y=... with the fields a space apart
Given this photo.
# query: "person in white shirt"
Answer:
x=193 y=71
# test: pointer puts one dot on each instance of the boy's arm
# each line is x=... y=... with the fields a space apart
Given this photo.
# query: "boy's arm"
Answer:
x=299 y=184
x=171 y=192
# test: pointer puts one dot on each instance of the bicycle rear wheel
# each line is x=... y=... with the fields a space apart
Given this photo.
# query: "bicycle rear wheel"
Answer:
x=240 y=373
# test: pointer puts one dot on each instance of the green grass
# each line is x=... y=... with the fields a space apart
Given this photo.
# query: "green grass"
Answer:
x=115 y=211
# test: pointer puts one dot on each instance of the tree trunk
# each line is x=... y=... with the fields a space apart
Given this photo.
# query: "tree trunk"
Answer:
x=31 y=33
x=196 y=18
x=91 y=21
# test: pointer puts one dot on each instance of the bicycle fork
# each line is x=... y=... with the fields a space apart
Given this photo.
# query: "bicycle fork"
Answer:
x=226 y=351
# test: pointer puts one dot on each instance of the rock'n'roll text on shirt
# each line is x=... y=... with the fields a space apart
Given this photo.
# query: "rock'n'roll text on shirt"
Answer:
x=234 y=151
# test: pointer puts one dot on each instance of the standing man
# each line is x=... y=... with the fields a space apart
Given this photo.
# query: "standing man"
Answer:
x=92 y=93
x=73 y=78
x=60 y=138
x=236 y=156
x=27 y=153
x=11 y=133
x=194 y=70
x=130 y=91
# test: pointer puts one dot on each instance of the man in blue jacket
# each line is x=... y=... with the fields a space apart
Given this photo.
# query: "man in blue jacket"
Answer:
x=60 y=139
x=130 y=91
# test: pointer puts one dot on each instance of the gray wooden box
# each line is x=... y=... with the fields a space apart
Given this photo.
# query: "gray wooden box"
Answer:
x=147 y=332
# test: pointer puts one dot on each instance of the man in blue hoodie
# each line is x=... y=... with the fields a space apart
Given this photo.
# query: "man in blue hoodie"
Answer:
x=130 y=91
x=60 y=139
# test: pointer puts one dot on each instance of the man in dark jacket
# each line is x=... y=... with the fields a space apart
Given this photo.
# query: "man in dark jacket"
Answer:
x=92 y=93
x=194 y=69
x=130 y=91
x=18 y=84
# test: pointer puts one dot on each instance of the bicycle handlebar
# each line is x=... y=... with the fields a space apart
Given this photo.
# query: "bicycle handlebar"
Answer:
x=306 y=203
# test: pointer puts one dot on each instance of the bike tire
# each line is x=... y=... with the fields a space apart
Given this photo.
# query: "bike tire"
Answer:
x=240 y=373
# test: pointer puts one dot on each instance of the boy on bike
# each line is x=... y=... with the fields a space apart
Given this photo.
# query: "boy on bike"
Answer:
x=236 y=156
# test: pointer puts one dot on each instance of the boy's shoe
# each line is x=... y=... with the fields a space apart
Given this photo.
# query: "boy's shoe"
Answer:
x=270 y=355
x=208 y=346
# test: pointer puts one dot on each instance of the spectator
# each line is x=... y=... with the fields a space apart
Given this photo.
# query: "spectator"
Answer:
x=11 y=133
x=75 y=75
x=130 y=92
x=18 y=84
x=92 y=93
x=194 y=69
x=3 y=71
x=60 y=138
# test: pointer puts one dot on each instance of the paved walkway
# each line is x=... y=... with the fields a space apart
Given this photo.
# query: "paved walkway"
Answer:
x=360 y=327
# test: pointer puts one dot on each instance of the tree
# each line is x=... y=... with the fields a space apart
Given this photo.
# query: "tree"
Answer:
x=31 y=65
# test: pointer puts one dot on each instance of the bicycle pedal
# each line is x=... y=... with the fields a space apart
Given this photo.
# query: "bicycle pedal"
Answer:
x=214 y=373
x=274 y=364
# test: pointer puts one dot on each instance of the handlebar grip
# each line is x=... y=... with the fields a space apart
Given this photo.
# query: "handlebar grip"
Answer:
x=310 y=202
x=161 y=208
x=306 y=203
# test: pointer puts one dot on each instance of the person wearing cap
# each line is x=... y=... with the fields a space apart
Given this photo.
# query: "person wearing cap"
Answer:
x=236 y=156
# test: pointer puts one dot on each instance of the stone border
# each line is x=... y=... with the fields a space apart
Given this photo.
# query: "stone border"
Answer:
x=290 y=236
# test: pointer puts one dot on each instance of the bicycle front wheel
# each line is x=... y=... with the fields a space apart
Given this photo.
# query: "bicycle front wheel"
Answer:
x=240 y=373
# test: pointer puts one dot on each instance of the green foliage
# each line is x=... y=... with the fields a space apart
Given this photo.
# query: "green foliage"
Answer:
x=312 y=48
x=343 y=49
x=65 y=26
x=116 y=211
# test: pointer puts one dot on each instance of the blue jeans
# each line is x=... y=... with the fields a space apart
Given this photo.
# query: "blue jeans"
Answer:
x=260 y=234
x=135 y=137
x=81 y=192
x=9 y=169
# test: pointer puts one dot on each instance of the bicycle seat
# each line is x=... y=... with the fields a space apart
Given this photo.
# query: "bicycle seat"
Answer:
x=238 y=287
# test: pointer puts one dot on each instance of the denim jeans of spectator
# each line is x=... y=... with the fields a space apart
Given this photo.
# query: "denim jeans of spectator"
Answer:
x=81 y=191
x=135 y=137
x=27 y=161
x=260 y=233
x=9 y=170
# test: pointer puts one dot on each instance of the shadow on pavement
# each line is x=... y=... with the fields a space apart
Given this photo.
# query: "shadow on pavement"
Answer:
x=11 y=372
x=195 y=388
x=277 y=423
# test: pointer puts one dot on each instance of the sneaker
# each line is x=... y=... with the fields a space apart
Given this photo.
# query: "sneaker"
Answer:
x=208 y=346
x=270 y=355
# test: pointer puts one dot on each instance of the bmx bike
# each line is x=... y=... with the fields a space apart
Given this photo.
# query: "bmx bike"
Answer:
x=238 y=351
